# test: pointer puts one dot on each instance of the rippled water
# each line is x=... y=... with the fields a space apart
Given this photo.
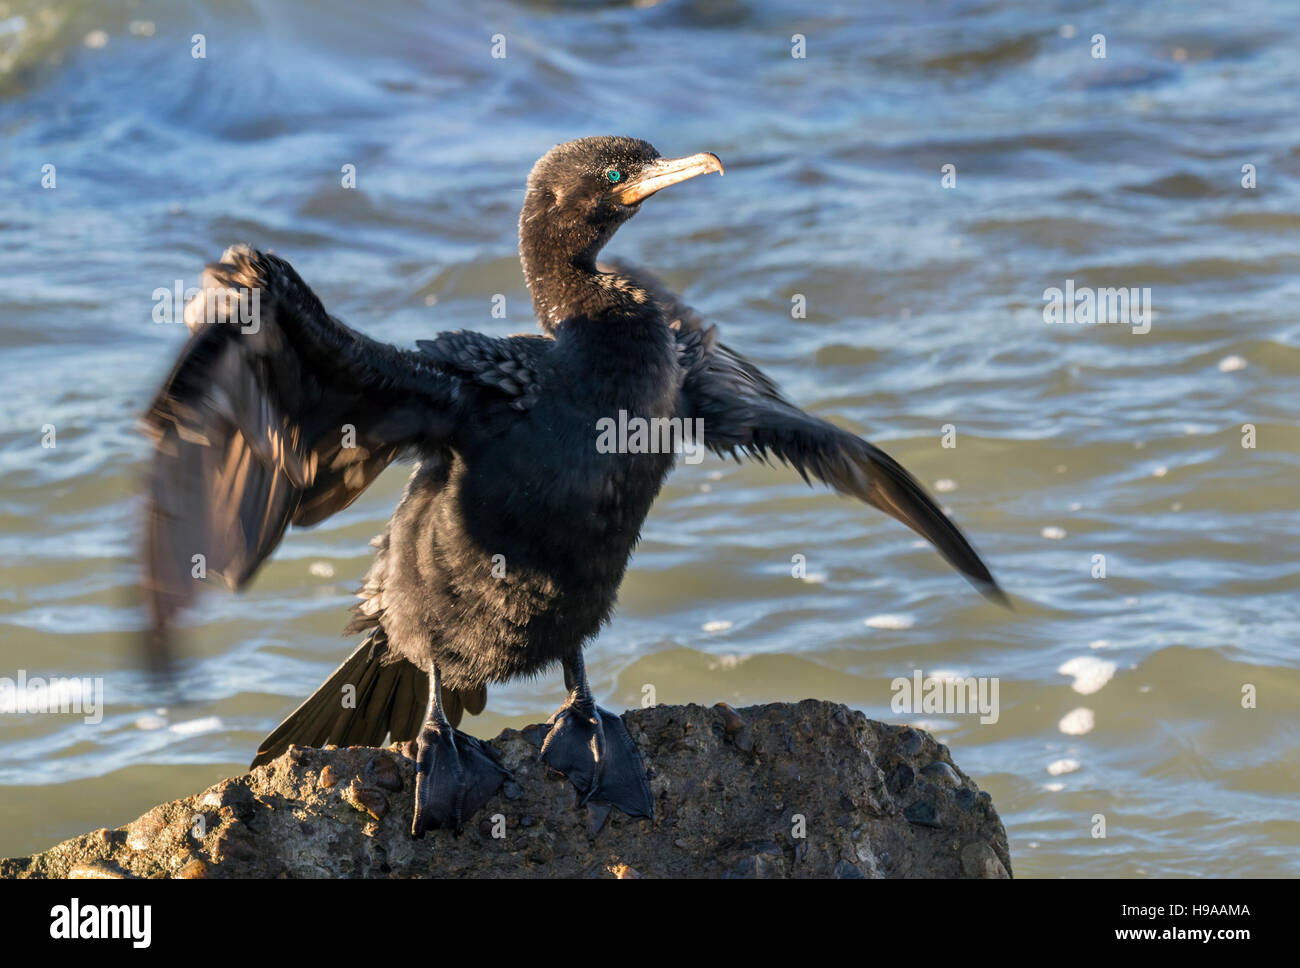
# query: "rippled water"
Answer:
x=924 y=308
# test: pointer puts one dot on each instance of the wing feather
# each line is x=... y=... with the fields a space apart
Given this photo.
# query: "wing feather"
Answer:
x=744 y=413
x=275 y=416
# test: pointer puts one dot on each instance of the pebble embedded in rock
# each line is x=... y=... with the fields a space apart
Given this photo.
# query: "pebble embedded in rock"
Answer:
x=328 y=778
x=900 y=781
x=380 y=771
x=140 y=833
x=228 y=793
x=978 y=859
x=923 y=812
x=366 y=799
x=234 y=844
x=731 y=721
x=942 y=773
x=98 y=870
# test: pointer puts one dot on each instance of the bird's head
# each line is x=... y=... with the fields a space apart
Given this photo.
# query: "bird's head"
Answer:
x=581 y=191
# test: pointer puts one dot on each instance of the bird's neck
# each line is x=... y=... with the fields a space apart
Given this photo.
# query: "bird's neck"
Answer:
x=566 y=284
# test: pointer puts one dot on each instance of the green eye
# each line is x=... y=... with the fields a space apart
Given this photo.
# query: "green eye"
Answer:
x=613 y=174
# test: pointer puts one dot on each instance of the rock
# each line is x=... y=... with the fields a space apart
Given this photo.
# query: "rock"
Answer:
x=812 y=789
x=192 y=870
x=96 y=870
x=923 y=812
x=365 y=798
x=978 y=859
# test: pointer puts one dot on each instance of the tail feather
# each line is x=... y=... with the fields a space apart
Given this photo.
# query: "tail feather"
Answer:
x=391 y=698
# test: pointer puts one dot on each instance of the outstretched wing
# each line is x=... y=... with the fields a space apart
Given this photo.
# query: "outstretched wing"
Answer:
x=744 y=413
x=275 y=414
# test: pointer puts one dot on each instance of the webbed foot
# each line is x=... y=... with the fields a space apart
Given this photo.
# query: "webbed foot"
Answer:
x=593 y=748
x=455 y=773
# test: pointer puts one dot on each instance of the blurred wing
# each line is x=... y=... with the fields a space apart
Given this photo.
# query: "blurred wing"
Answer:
x=275 y=414
x=744 y=413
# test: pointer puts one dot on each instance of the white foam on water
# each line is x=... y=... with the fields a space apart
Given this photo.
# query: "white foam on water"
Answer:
x=934 y=725
x=1090 y=674
x=889 y=622
x=946 y=675
x=726 y=662
x=195 y=727
x=1077 y=722
x=1063 y=766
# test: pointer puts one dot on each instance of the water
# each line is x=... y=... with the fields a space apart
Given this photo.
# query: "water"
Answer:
x=924 y=308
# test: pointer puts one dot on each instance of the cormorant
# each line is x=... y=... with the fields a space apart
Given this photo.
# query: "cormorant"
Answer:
x=505 y=554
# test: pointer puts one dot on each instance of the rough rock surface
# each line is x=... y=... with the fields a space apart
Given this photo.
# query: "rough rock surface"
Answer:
x=812 y=789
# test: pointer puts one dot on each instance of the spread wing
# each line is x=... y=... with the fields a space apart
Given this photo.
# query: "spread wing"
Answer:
x=744 y=413
x=275 y=414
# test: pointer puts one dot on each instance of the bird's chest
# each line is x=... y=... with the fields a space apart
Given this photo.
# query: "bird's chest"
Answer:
x=578 y=471
x=595 y=459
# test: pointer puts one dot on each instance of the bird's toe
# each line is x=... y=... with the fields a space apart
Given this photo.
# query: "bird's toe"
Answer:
x=455 y=775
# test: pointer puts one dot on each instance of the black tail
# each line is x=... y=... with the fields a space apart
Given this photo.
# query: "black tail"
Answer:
x=389 y=698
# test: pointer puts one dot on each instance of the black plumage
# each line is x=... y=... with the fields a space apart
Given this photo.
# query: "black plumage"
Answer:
x=506 y=551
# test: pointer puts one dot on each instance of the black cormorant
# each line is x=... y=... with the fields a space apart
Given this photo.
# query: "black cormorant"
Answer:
x=505 y=554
